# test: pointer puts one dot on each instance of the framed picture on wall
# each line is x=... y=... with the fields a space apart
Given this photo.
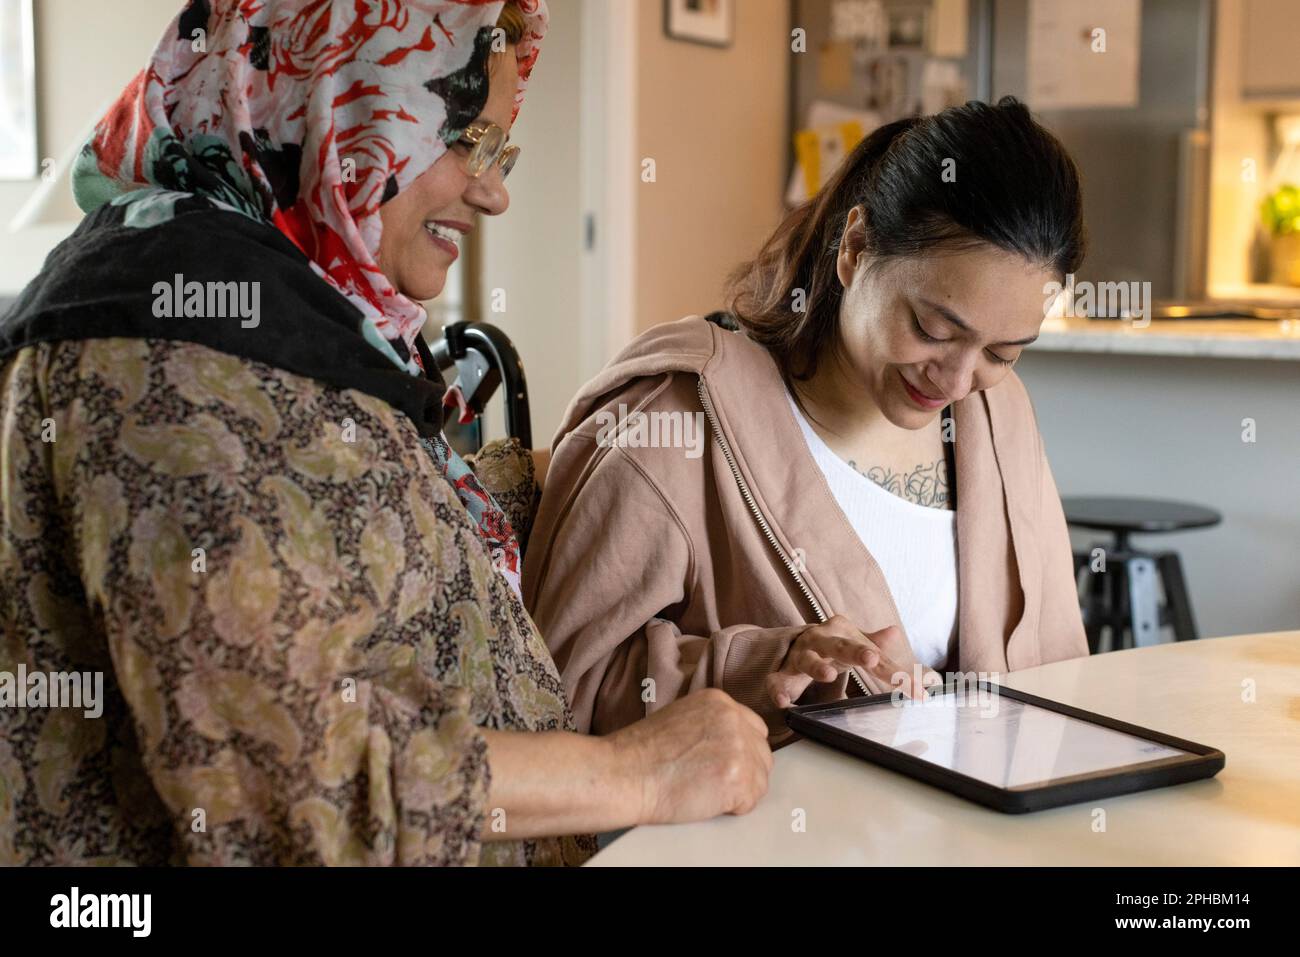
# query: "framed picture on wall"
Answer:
x=907 y=27
x=17 y=91
x=699 y=21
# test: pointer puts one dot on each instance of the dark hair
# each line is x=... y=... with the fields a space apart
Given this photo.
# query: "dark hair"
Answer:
x=1013 y=185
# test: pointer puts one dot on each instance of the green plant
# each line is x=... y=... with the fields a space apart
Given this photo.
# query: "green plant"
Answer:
x=1280 y=211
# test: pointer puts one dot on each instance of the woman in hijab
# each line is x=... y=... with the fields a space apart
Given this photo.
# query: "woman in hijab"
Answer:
x=254 y=608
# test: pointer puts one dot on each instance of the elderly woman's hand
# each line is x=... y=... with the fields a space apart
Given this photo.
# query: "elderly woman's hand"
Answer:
x=825 y=651
x=702 y=755
x=698 y=757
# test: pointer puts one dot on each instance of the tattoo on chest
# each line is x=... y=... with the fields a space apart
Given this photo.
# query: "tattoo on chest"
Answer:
x=924 y=485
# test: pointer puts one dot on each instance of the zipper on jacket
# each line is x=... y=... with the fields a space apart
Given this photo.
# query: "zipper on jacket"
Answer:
x=760 y=518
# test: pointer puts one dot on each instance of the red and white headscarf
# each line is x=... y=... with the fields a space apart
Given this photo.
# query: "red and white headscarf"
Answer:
x=306 y=114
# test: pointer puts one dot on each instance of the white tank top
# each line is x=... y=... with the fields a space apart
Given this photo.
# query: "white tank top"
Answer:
x=914 y=545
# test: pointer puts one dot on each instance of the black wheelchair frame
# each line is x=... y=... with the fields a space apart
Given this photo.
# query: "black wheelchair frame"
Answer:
x=484 y=359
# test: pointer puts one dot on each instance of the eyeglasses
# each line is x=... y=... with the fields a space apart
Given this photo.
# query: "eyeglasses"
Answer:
x=488 y=146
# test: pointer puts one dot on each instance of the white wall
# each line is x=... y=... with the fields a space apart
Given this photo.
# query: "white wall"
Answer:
x=85 y=53
x=532 y=252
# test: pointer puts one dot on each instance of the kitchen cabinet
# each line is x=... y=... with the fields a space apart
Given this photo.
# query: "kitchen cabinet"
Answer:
x=1270 y=61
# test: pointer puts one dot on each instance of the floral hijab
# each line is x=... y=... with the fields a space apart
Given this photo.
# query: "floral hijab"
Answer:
x=308 y=115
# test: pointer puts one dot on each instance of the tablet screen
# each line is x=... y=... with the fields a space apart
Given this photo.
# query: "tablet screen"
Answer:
x=996 y=739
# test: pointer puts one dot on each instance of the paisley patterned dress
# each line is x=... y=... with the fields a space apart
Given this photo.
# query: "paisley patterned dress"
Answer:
x=300 y=632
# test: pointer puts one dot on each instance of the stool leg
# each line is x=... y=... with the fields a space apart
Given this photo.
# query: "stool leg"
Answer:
x=1144 y=604
x=1176 y=597
x=1081 y=590
x=1117 y=599
x=1094 y=610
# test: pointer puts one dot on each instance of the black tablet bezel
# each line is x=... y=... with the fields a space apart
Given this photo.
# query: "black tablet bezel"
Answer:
x=1201 y=761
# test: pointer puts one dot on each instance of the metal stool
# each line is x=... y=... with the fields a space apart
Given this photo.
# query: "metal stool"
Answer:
x=1124 y=600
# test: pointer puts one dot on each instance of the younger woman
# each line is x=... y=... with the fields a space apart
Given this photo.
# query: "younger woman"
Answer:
x=874 y=499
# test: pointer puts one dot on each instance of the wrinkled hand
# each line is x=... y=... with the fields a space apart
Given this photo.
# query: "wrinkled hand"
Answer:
x=701 y=756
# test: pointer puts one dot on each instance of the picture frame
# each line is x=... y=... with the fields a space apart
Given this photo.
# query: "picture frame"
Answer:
x=908 y=25
x=709 y=22
x=18 y=150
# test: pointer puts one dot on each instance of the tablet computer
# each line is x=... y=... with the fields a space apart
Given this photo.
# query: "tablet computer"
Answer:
x=1006 y=749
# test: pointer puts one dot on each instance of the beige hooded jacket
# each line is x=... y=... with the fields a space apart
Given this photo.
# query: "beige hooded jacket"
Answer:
x=652 y=571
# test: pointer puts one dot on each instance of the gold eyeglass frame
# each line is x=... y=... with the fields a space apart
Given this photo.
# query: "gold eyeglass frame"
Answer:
x=489 y=145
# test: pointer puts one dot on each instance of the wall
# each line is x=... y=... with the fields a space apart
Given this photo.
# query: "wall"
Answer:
x=1170 y=427
x=532 y=252
x=1238 y=133
x=714 y=121
x=75 y=42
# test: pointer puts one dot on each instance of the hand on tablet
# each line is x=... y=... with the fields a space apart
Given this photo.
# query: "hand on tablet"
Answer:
x=824 y=652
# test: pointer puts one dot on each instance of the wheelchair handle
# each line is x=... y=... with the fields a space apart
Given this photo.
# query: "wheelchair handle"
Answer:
x=484 y=357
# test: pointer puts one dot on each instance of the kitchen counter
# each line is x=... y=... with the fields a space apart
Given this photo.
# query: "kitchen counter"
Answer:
x=1211 y=338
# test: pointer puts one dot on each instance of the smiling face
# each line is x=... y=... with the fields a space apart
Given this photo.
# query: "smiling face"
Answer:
x=920 y=332
x=424 y=223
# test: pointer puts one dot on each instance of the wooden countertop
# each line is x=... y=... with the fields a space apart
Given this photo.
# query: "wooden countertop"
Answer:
x=859 y=813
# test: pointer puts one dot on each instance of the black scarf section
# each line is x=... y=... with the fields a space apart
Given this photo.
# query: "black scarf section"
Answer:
x=103 y=282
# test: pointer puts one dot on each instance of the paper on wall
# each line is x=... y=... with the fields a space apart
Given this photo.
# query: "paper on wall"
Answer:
x=942 y=86
x=859 y=21
x=948 y=21
x=829 y=135
x=1083 y=53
